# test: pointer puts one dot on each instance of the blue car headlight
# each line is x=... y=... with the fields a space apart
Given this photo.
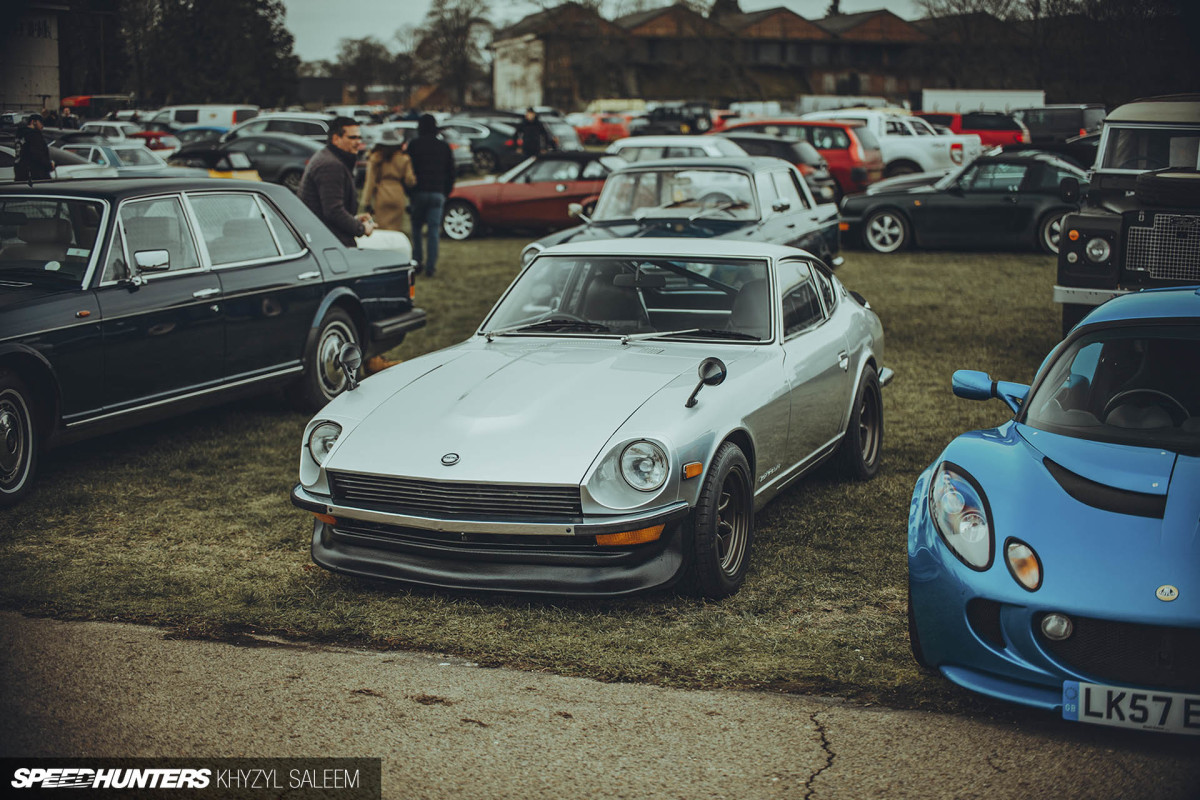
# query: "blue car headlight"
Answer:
x=960 y=513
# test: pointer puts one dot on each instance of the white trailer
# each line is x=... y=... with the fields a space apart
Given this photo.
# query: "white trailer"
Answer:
x=961 y=101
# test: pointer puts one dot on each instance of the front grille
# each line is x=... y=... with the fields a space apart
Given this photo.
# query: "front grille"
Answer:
x=441 y=499
x=1125 y=652
x=1168 y=249
x=472 y=543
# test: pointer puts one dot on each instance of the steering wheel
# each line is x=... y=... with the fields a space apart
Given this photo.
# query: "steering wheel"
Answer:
x=1151 y=163
x=1176 y=405
x=714 y=199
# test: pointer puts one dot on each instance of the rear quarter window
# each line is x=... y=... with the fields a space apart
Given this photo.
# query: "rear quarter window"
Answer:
x=989 y=122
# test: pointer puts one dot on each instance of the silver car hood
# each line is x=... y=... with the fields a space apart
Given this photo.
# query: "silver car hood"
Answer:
x=520 y=411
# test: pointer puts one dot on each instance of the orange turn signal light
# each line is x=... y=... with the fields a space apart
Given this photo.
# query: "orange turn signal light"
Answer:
x=412 y=291
x=843 y=226
x=328 y=520
x=1073 y=236
x=692 y=470
x=640 y=536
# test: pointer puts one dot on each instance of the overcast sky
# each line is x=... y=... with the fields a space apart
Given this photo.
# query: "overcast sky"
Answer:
x=319 y=24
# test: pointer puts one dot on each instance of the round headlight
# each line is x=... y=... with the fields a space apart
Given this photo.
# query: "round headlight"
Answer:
x=321 y=440
x=1097 y=250
x=644 y=466
x=960 y=514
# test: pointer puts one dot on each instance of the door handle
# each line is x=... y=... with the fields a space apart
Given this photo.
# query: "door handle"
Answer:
x=308 y=276
x=844 y=360
x=205 y=292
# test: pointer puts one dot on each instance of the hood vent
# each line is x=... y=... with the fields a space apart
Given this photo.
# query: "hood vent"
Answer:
x=1107 y=498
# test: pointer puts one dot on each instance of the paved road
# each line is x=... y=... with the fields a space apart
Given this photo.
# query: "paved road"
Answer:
x=448 y=729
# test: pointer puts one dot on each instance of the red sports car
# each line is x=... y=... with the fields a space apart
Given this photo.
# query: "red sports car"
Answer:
x=533 y=194
x=602 y=128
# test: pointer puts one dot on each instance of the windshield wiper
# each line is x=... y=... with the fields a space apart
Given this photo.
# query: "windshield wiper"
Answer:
x=715 y=333
x=727 y=206
x=641 y=213
x=559 y=323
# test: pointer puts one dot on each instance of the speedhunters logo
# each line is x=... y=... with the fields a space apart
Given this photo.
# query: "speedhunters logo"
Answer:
x=224 y=778
x=83 y=778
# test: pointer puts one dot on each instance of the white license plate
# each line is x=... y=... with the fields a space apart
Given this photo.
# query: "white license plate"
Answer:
x=1122 y=707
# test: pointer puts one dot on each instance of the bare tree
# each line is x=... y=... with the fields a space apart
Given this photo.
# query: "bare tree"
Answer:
x=362 y=62
x=452 y=44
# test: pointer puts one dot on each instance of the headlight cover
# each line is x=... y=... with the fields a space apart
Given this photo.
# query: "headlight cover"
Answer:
x=321 y=440
x=1097 y=250
x=644 y=466
x=961 y=515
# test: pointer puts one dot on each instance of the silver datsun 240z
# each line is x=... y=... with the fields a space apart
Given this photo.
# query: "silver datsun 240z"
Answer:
x=570 y=447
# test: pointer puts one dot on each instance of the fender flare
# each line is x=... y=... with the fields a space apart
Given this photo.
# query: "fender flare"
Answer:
x=340 y=295
x=38 y=370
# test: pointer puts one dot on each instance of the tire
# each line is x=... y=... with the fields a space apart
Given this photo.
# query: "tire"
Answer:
x=723 y=525
x=861 y=450
x=323 y=377
x=292 y=180
x=914 y=638
x=886 y=231
x=20 y=439
x=1169 y=187
x=459 y=221
x=485 y=161
x=1050 y=231
x=1072 y=313
x=900 y=168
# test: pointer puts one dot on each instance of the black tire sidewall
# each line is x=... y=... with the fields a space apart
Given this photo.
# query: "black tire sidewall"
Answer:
x=13 y=388
x=708 y=578
x=851 y=450
x=313 y=396
x=905 y=231
x=1043 y=226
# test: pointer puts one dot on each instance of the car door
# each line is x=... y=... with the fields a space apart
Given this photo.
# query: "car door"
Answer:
x=981 y=207
x=540 y=194
x=163 y=333
x=266 y=157
x=816 y=362
x=271 y=283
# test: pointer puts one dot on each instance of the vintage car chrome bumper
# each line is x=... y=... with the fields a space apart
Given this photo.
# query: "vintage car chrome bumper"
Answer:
x=535 y=557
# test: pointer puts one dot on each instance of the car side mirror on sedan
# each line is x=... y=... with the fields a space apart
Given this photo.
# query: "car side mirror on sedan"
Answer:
x=1068 y=190
x=152 y=260
x=975 y=385
x=350 y=359
x=712 y=372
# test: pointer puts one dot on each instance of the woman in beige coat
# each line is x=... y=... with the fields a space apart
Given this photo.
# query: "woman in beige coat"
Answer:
x=389 y=174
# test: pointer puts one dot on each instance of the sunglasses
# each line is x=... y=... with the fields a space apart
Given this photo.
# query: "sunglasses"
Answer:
x=351 y=137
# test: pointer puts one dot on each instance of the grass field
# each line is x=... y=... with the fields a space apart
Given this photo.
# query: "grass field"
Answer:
x=187 y=524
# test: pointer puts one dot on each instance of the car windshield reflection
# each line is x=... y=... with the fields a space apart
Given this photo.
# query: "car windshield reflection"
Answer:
x=1137 y=386
x=723 y=299
x=689 y=193
x=47 y=240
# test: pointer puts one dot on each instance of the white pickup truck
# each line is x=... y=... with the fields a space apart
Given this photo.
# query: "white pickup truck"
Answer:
x=910 y=144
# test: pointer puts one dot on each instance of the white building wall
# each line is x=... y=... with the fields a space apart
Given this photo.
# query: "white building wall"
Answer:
x=29 y=62
x=517 y=72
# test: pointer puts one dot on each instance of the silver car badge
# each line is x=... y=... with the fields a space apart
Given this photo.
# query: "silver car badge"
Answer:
x=1166 y=593
x=450 y=459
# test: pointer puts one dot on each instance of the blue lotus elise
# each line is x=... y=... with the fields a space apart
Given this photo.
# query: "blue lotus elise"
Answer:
x=1054 y=561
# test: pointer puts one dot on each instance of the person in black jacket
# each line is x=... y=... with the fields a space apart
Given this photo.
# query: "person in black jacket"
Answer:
x=434 y=165
x=33 y=156
x=327 y=186
x=533 y=136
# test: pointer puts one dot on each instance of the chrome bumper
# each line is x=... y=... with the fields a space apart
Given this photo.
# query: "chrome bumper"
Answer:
x=1085 y=297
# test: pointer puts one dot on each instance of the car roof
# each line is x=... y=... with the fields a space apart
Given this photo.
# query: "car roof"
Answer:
x=117 y=189
x=741 y=163
x=656 y=141
x=1150 y=304
x=1167 y=108
x=811 y=123
x=273 y=136
x=675 y=246
x=305 y=115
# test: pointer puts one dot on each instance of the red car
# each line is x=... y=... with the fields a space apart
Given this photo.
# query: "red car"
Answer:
x=603 y=129
x=852 y=151
x=992 y=127
x=533 y=194
x=161 y=142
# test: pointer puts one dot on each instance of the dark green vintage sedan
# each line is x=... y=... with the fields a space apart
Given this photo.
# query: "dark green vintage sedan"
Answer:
x=127 y=300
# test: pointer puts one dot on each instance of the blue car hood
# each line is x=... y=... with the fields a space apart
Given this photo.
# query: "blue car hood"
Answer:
x=1095 y=562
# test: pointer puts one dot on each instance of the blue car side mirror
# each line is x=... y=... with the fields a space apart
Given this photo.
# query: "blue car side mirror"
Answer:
x=972 y=384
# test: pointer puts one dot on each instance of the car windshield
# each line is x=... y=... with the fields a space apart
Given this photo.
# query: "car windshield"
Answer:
x=713 y=298
x=714 y=194
x=46 y=241
x=1129 y=385
x=1151 y=148
x=137 y=157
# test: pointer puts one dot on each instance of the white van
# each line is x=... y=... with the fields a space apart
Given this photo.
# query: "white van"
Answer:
x=214 y=115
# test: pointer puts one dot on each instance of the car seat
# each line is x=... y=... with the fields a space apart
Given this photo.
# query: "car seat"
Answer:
x=42 y=240
x=618 y=307
x=751 y=310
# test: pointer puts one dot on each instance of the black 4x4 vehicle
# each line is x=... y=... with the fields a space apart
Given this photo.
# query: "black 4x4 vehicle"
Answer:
x=1139 y=226
x=670 y=118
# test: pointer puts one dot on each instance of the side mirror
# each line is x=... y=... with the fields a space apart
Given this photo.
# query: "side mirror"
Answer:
x=712 y=372
x=974 y=385
x=1068 y=190
x=152 y=260
x=574 y=210
x=350 y=359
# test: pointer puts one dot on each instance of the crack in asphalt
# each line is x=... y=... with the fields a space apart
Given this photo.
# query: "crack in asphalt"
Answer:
x=829 y=755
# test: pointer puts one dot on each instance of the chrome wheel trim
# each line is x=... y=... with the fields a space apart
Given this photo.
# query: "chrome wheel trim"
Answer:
x=458 y=222
x=885 y=232
x=330 y=377
x=14 y=440
x=1052 y=233
x=733 y=522
x=484 y=161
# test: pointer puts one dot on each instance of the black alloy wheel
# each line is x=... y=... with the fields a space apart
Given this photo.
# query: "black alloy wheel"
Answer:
x=1050 y=231
x=485 y=161
x=861 y=449
x=723 y=525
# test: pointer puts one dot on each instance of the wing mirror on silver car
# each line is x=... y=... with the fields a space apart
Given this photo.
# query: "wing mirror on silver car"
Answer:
x=712 y=373
x=350 y=359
